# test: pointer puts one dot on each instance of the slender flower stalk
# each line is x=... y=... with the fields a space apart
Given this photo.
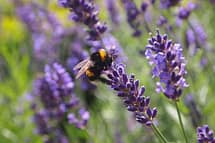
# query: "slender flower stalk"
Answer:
x=180 y=121
x=159 y=134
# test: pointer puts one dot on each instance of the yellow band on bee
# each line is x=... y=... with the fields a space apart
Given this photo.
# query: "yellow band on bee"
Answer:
x=89 y=73
x=102 y=54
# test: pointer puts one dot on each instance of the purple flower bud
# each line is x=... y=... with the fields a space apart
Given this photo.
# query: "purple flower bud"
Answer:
x=205 y=135
x=154 y=112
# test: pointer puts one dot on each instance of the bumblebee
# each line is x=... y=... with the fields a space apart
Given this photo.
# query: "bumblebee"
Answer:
x=93 y=66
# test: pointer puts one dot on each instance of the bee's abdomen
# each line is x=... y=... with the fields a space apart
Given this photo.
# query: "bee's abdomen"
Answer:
x=93 y=73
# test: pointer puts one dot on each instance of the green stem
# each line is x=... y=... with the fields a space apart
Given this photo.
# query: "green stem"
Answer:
x=159 y=134
x=180 y=120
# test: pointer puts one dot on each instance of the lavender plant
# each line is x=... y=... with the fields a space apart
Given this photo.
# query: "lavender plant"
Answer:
x=132 y=95
x=56 y=106
x=168 y=64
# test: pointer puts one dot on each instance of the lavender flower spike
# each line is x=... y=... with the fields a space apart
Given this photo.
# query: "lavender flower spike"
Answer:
x=205 y=135
x=132 y=95
x=56 y=101
x=168 y=64
x=85 y=12
x=132 y=13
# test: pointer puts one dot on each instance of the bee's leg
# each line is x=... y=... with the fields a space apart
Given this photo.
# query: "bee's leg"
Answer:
x=104 y=80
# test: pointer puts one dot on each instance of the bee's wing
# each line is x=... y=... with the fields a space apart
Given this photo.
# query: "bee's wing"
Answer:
x=81 y=64
x=83 y=68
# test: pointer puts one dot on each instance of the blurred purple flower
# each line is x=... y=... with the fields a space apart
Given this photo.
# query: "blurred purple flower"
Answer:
x=168 y=64
x=184 y=12
x=195 y=114
x=200 y=33
x=152 y=1
x=191 y=42
x=113 y=11
x=196 y=37
x=205 y=135
x=212 y=2
x=41 y=23
x=132 y=13
x=203 y=62
x=168 y=3
x=132 y=95
x=56 y=103
x=144 y=6
x=162 y=20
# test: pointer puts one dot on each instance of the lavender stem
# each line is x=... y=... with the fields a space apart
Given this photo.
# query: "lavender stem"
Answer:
x=181 y=123
x=159 y=134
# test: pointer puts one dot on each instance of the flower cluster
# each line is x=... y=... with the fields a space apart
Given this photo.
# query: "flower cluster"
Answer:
x=169 y=65
x=132 y=13
x=84 y=11
x=205 y=135
x=132 y=95
x=40 y=22
x=184 y=12
x=56 y=103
